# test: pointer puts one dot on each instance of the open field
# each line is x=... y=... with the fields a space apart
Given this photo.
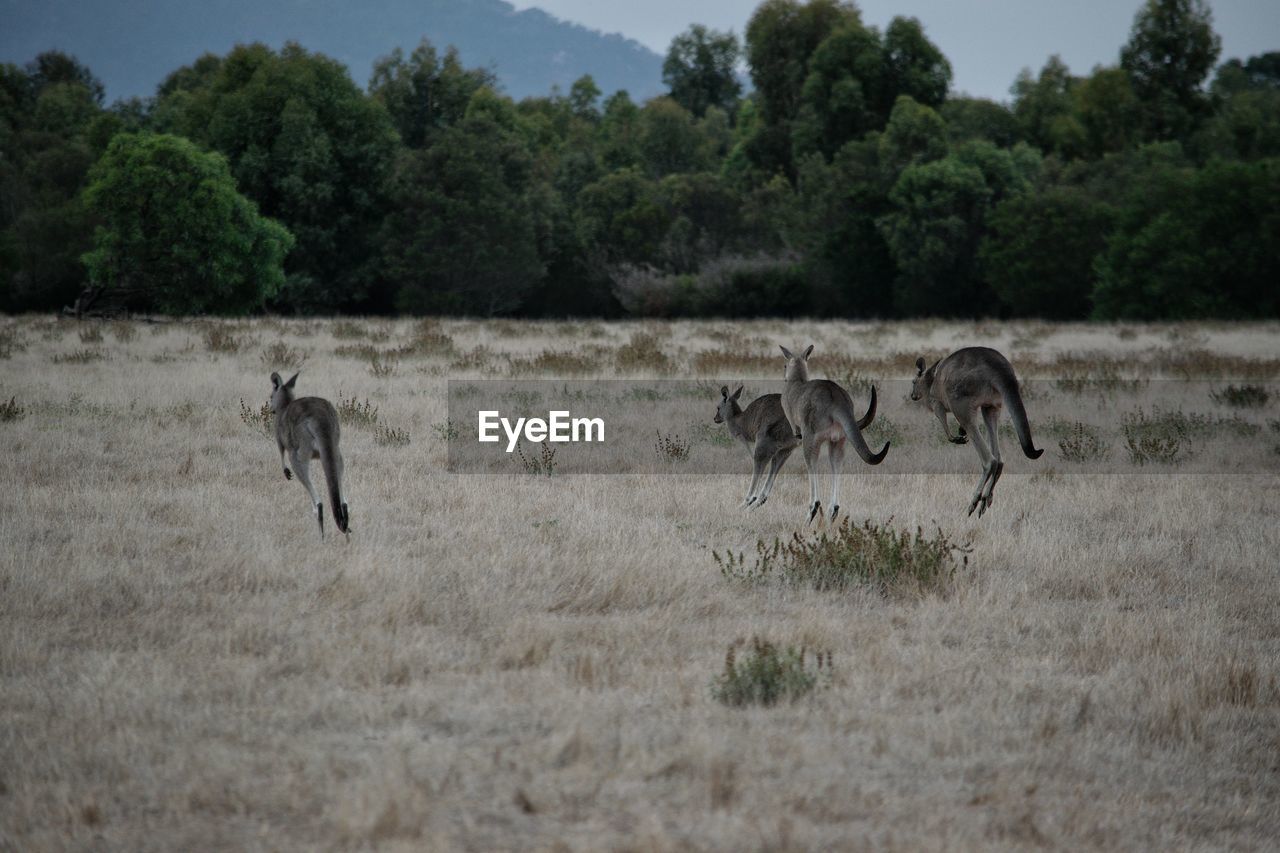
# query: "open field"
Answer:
x=507 y=661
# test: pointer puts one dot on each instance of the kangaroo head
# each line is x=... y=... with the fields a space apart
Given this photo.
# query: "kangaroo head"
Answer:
x=281 y=392
x=797 y=365
x=923 y=382
x=728 y=407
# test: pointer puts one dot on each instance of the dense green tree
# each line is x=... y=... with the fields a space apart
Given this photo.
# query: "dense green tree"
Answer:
x=47 y=114
x=460 y=236
x=622 y=219
x=620 y=132
x=701 y=70
x=53 y=67
x=669 y=140
x=843 y=93
x=833 y=222
x=1039 y=252
x=706 y=219
x=1171 y=50
x=781 y=37
x=933 y=234
x=1108 y=112
x=1193 y=244
x=175 y=235
x=425 y=93
x=979 y=118
x=583 y=97
x=311 y=149
x=1246 y=124
x=914 y=66
x=1045 y=109
x=915 y=134
x=937 y=223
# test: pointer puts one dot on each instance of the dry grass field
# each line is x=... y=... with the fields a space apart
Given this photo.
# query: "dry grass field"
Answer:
x=516 y=662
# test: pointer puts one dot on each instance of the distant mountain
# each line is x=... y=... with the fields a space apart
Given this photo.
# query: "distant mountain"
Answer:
x=133 y=44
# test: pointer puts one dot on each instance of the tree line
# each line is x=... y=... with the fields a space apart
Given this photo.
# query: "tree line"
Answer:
x=850 y=181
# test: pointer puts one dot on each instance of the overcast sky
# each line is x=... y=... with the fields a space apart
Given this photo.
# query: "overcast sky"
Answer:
x=987 y=41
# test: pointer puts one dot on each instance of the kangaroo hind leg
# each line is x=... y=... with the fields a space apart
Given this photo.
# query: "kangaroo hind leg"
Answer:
x=965 y=417
x=761 y=459
x=778 y=458
x=302 y=467
x=811 y=449
x=991 y=415
x=835 y=455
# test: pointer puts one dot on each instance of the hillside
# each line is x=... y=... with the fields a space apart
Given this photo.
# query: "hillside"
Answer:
x=133 y=44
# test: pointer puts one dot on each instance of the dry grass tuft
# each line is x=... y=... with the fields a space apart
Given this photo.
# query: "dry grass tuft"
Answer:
x=83 y=356
x=642 y=354
x=220 y=339
x=281 y=356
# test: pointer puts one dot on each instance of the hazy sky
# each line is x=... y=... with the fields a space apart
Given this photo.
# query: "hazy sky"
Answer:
x=987 y=41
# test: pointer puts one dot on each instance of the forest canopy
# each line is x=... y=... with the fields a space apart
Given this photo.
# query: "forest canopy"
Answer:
x=848 y=179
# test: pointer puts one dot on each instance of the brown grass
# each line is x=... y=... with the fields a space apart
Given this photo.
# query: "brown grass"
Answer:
x=510 y=662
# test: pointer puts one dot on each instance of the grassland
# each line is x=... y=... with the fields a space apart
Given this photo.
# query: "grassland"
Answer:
x=513 y=662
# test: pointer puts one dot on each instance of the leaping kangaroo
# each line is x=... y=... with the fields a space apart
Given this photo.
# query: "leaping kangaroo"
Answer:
x=821 y=412
x=306 y=429
x=970 y=383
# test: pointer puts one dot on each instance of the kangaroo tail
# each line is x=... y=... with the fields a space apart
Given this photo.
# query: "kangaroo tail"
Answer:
x=329 y=458
x=871 y=411
x=1008 y=385
x=850 y=425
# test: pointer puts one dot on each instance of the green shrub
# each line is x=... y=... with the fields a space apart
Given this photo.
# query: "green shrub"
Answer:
x=390 y=436
x=671 y=447
x=768 y=675
x=363 y=415
x=1082 y=443
x=544 y=464
x=888 y=560
x=258 y=420
x=12 y=411
x=1160 y=437
x=1242 y=396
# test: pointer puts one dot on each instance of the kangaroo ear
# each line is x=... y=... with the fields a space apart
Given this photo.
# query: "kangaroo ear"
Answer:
x=808 y=352
x=737 y=394
x=293 y=380
x=724 y=391
x=785 y=352
x=920 y=366
x=275 y=380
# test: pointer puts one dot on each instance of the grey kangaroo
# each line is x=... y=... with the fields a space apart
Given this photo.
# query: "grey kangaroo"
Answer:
x=306 y=429
x=763 y=428
x=975 y=383
x=821 y=412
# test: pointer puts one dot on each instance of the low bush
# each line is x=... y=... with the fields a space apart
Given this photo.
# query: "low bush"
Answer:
x=891 y=561
x=767 y=674
x=1242 y=396
x=1082 y=443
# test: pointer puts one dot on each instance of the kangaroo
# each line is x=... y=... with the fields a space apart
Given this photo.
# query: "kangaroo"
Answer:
x=970 y=383
x=821 y=412
x=763 y=428
x=306 y=429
